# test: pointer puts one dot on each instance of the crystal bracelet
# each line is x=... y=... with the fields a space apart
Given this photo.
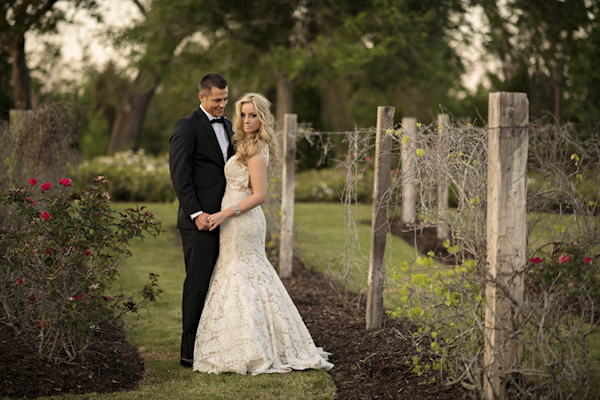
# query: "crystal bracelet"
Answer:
x=236 y=210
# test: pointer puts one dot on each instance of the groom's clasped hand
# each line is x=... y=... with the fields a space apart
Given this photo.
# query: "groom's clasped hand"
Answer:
x=202 y=222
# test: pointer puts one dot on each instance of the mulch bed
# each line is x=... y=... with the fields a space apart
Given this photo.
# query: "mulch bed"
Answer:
x=368 y=364
x=423 y=238
x=112 y=364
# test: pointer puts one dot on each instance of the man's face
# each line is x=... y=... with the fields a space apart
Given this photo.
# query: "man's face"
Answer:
x=215 y=102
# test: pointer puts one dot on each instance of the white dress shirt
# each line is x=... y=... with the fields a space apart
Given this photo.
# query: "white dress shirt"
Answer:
x=223 y=143
x=220 y=132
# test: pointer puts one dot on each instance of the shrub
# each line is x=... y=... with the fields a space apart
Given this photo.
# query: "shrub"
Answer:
x=58 y=261
x=134 y=176
x=565 y=268
x=40 y=142
x=327 y=185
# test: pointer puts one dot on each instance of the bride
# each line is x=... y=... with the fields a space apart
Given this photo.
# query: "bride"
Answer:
x=249 y=323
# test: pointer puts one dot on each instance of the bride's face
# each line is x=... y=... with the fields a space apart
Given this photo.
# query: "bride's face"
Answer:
x=250 y=121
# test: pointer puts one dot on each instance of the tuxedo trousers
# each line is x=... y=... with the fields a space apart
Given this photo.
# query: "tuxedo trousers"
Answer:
x=200 y=252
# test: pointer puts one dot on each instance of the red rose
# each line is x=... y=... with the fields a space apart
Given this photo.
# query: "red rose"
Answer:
x=45 y=215
x=587 y=260
x=86 y=253
x=65 y=182
x=18 y=281
x=78 y=297
x=564 y=259
x=536 y=260
x=44 y=324
x=32 y=297
x=46 y=186
x=33 y=181
x=32 y=201
x=49 y=251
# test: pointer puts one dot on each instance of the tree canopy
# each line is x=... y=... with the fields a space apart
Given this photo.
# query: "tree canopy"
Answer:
x=18 y=17
x=547 y=50
x=332 y=62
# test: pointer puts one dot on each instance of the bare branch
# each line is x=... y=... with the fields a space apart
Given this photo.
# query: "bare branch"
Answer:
x=141 y=8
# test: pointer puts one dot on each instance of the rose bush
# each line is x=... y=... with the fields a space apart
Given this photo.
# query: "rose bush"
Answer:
x=58 y=260
x=564 y=267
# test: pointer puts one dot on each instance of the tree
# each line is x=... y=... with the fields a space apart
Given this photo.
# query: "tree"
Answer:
x=165 y=26
x=332 y=58
x=402 y=50
x=98 y=97
x=19 y=17
x=545 y=50
x=6 y=95
x=265 y=25
x=268 y=26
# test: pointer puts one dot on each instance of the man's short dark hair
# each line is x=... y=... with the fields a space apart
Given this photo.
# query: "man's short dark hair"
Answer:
x=210 y=81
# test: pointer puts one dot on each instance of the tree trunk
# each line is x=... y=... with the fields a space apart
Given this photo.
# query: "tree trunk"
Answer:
x=130 y=116
x=285 y=99
x=20 y=73
x=335 y=113
x=558 y=97
x=336 y=116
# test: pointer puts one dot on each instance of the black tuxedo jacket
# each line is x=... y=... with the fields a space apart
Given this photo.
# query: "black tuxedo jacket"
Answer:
x=197 y=166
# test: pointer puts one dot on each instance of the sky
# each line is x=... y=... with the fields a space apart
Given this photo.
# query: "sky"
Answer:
x=85 y=32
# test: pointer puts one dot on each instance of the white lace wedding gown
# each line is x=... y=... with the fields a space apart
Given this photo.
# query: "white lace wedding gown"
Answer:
x=249 y=323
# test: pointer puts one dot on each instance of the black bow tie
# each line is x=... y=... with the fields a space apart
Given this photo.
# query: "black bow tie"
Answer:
x=219 y=120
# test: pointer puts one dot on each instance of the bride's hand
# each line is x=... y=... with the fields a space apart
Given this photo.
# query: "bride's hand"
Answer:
x=215 y=220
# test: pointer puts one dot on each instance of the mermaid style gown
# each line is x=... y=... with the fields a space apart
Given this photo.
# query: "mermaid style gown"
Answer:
x=249 y=323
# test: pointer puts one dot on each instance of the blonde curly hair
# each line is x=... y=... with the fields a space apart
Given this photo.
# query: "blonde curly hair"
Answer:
x=247 y=147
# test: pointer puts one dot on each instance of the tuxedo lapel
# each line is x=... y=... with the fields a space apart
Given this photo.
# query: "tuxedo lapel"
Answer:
x=211 y=132
x=231 y=148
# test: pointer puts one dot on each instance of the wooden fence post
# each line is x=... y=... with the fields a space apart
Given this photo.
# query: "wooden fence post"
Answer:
x=442 y=231
x=286 y=242
x=408 y=171
x=506 y=237
x=379 y=224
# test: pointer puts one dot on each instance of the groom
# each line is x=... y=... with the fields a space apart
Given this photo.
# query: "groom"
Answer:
x=199 y=146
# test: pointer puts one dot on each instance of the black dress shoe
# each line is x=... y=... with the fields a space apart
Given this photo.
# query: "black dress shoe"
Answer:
x=186 y=363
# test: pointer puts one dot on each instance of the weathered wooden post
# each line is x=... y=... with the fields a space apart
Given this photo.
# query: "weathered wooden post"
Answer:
x=408 y=170
x=379 y=224
x=506 y=237
x=442 y=231
x=286 y=242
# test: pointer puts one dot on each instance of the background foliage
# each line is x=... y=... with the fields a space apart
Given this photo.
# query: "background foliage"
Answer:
x=331 y=62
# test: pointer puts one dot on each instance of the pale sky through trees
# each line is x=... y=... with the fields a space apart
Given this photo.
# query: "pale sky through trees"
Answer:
x=85 y=31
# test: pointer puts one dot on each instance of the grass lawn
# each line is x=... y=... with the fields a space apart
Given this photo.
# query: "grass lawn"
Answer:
x=321 y=235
